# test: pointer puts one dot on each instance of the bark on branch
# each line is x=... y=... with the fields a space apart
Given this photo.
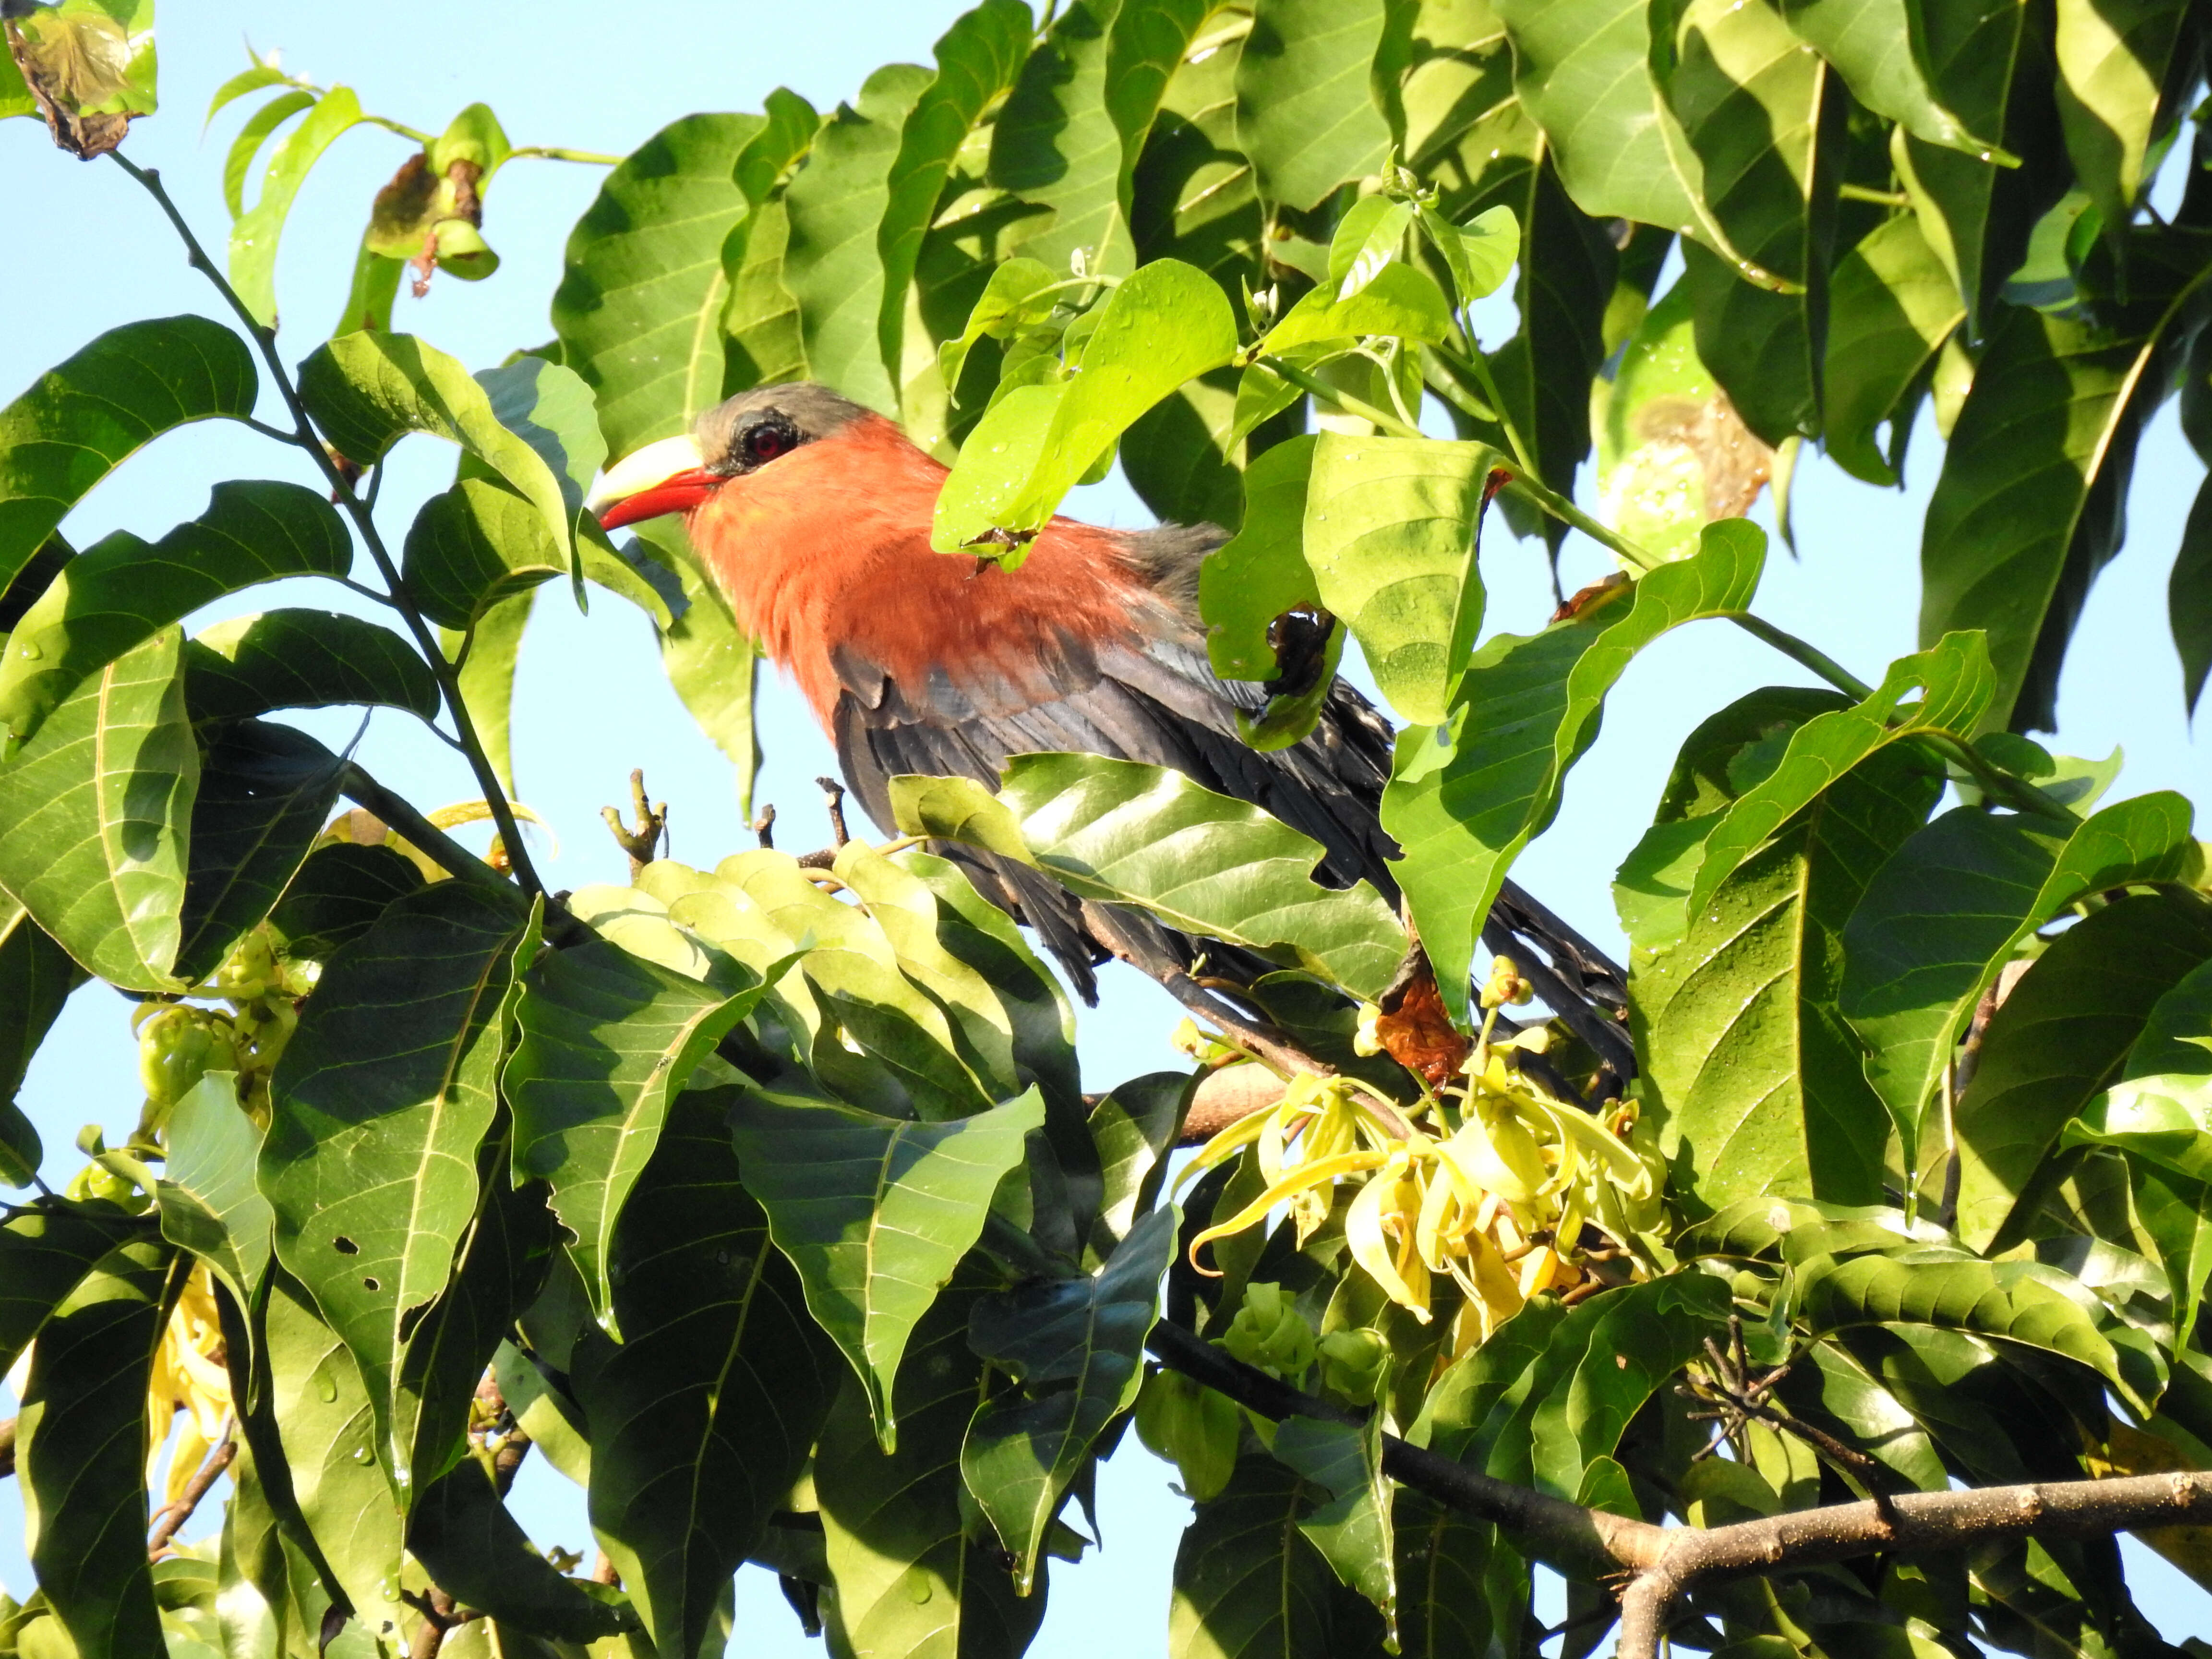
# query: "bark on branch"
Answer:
x=1658 y=1566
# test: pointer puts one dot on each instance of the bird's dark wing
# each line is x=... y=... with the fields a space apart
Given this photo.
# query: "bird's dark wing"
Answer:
x=1157 y=702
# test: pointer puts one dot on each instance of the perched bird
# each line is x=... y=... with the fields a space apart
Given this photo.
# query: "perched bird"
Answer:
x=813 y=515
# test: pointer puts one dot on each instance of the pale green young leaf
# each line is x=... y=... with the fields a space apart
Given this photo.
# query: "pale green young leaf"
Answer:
x=1260 y=572
x=1480 y=254
x=254 y=237
x=238 y=162
x=1398 y=301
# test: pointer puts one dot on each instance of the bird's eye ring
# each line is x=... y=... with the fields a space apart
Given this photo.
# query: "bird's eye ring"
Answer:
x=766 y=441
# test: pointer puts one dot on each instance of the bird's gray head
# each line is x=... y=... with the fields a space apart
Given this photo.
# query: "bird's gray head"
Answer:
x=754 y=427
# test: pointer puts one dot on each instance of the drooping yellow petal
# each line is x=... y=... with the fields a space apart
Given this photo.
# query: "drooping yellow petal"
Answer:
x=1301 y=1178
x=1380 y=1209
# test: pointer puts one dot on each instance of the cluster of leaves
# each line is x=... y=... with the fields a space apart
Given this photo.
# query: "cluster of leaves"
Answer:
x=768 y=1196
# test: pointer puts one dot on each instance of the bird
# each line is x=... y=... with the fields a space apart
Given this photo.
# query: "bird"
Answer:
x=812 y=514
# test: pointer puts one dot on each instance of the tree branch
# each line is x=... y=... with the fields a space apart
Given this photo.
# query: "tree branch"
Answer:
x=1663 y=1565
x=172 y=1518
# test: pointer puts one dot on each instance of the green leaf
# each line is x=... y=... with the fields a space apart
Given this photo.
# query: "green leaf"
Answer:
x=95 y=819
x=254 y=238
x=238 y=162
x=1756 y=109
x=1163 y=325
x=1304 y=110
x=1583 y=69
x=489 y=653
x=1529 y=706
x=2159 y=1123
x=1753 y=1074
x=1948 y=911
x=1352 y=1530
x=79 y=421
x=367 y=391
x=704 y=1415
x=896 y=1524
x=266 y=793
x=831 y=265
x=1989 y=68
x=874 y=1212
x=82 y=1453
x=642 y=289
x=1390 y=527
x=1876 y=45
x=114 y=596
x=1075 y=1344
x=1460 y=1588
x=2007 y=1299
x=209 y=1204
x=2029 y=504
x=1891 y=306
x=36 y=978
x=761 y=321
x=252 y=1602
x=1399 y=300
x=1057 y=143
x=1954 y=679
x=977 y=61
x=2189 y=599
x=480 y=545
x=1369 y=237
x=338 y=894
x=1147 y=836
x=382 y=1095
x=300 y=658
x=475 y=1550
x=2060 y=1038
x=45 y=1256
x=2177 y=1037
x=1248 y=1584
x=608 y=1040
x=1259 y=573
x=330 y=1436
x=2114 y=62
x=1134 y=1128
x=1480 y=254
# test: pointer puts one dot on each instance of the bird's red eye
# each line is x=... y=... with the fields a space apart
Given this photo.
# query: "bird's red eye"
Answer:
x=765 y=443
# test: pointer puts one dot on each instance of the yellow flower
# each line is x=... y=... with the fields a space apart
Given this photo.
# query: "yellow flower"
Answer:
x=188 y=1376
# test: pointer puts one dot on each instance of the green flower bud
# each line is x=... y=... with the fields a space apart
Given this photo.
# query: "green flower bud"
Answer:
x=1271 y=1333
x=1352 y=1363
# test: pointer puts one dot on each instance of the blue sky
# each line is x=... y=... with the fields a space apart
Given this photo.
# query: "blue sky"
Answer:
x=88 y=252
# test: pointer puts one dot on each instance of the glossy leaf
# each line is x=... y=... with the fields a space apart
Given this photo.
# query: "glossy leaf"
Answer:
x=2061 y=1038
x=1352 y=1529
x=1390 y=528
x=36 y=978
x=481 y=544
x=1133 y=1128
x=1873 y=45
x=1075 y=1344
x=245 y=148
x=79 y=421
x=607 y=1041
x=82 y=1453
x=380 y=1101
x=831 y=265
x=1891 y=306
x=367 y=391
x=1304 y=113
x=1162 y=327
x=1480 y=254
x=875 y=1213
x=895 y=1523
x=2028 y=508
x=1398 y=301
x=1946 y=912
x=1247 y=1584
x=45 y=1256
x=1954 y=680
x=208 y=1201
x=1528 y=709
x=300 y=658
x=1260 y=572
x=265 y=792
x=2158 y=1123
x=254 y=238
x=114 y=596
x=1146 y=836
x=477 y=1552
x=1755 y=1074
x=338 y=894
x=977 y=60
x=642 y=289
x=2114 y=61
x=330 y=1441
x=1057 y=143
x=1583 y=69
x=703 y=1416
x=95 y=815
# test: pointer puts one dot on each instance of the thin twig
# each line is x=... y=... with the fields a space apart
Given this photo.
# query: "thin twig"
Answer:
x=763 y=827
x=639 y=844
x=834 y=793
x=171 y=1519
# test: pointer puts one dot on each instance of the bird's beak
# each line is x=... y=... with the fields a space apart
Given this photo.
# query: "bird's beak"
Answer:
x=667 y=476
